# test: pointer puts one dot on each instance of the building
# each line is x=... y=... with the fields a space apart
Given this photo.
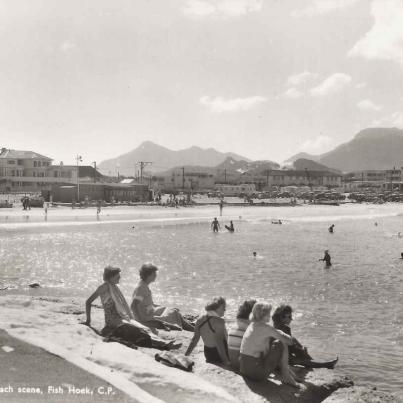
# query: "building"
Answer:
x=109 y=192
x=236 y=190
x=22 y=170
x=187 y=179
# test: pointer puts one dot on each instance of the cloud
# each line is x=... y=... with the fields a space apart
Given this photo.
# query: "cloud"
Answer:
x=68 y=46
x=300 y=78
x=393 y=120
x=317 y=145
x=321 y=7
x=360 y=85
x=219 y=105
x=221 y=8
x=368 y=105
x=331 y=85
x=293 y=93
x=384 y=41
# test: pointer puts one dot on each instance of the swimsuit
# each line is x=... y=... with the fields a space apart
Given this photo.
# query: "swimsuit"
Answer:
x=211 y=353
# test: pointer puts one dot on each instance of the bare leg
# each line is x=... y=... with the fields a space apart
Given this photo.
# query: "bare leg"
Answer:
x=287 y=376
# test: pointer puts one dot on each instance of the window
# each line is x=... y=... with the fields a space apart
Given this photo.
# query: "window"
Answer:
x=34 y=173
x=34 y=165
x=11 y=162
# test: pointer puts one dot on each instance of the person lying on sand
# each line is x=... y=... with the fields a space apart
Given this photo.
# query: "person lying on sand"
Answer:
x=298 y=354
x=211 y=328
x=150 y=314
x=236 y=332
x=260 y=355
x=119 y=320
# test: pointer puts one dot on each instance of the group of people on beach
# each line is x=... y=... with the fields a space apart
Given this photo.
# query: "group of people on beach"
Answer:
x=253 y=347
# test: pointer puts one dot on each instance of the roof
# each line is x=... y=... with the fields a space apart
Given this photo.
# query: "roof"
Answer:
x=19 y=154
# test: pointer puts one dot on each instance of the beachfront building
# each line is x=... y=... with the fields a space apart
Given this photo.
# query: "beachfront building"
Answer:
x=236 y=190
x=30 y=172
x=22 y=170
x=109 y=192
x=364 y=180
x=279 y=178
x=193 y=179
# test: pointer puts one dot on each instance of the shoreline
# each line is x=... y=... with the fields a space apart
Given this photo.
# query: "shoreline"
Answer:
x=42 y=320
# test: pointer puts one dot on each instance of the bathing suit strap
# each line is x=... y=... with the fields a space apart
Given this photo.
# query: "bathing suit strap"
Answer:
x=208 y=322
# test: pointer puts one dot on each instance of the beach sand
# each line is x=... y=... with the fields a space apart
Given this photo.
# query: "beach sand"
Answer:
x=54 y=326
x=26 y=370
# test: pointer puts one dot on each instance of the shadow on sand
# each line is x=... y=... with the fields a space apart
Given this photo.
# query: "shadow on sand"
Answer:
x=276 y=392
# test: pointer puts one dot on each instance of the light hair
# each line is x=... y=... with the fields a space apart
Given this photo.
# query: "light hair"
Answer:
x=259 y=311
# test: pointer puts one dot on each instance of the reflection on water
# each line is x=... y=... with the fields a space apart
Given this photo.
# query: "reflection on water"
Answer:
x=352 y=310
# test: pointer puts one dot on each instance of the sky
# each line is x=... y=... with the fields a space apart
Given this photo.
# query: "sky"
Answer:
x=262 y=78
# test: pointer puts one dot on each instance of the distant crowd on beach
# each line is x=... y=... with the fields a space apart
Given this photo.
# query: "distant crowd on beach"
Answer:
x=252 y=347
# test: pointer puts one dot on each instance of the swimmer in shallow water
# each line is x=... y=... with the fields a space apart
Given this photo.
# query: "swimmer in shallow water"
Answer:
x=215 y=225
x=254 y=254
x=401 y=255
x=326 y=259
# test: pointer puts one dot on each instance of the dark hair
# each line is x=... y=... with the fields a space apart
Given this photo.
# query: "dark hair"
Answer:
x=146 y=270
x=110 y=272
x=215 y=303
x=245 y=309
x=279 y=314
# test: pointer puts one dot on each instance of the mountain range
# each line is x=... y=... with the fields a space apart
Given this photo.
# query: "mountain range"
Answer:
x=372 y=148
x=162 y=159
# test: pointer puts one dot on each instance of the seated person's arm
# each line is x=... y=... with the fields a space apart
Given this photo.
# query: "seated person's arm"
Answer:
x=88 y=303
x=194 y=341
x=285 y=338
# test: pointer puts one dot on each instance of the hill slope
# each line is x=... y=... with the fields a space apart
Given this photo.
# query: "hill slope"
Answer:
x=374 y=148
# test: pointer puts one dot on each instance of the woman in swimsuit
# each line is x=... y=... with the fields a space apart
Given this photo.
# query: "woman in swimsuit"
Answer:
x=263 y=348
x=119 y=321
x=211 y=328
x=298 y=354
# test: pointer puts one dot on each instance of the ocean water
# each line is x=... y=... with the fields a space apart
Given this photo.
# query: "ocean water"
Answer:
x=353 y=310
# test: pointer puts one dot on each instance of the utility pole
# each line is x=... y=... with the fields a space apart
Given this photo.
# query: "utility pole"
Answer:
x=143 y=164
x=78 y=160
x=95 y=170
x=183 y=178
x=225 y=175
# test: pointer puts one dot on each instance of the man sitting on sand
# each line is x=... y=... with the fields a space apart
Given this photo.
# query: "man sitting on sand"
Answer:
x=150 y=314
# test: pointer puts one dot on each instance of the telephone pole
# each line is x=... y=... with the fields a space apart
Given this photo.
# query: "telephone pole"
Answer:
x=95 y=170
x=143 y=164
x=183 y=178
x=225 y=175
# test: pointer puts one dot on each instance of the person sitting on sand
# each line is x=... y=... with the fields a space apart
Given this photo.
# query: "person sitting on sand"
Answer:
x=331 y=229
x=260 y=355
x=119 y=321
x=150 y=314
x=236 y=333
x=298 y=354
x=211 y=328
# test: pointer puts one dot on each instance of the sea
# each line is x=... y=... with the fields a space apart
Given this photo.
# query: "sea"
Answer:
x=352 y=310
